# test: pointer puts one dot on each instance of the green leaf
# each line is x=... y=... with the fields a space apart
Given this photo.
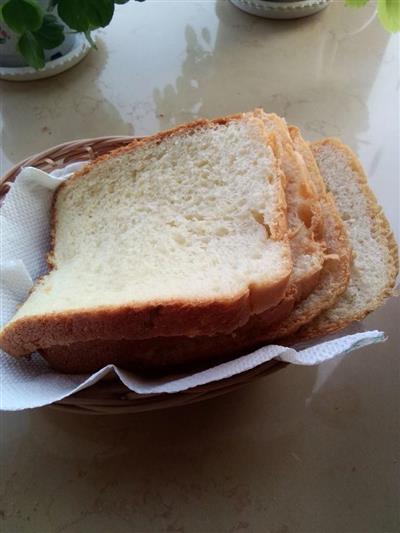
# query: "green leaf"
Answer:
x=83 y=15
x=22 y=15
x=121 y=1
x=356 y=3
x=31 y=50
x=389 y=14
x=51 y=32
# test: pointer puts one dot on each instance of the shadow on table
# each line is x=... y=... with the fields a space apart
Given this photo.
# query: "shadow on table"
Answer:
x=352 y=437
x=39 y=114
x=204 y=458
x=250 y=61
x=306 y=449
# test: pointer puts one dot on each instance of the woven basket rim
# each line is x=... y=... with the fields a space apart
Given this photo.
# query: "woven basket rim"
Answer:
x=11 y=174
x=123 y=400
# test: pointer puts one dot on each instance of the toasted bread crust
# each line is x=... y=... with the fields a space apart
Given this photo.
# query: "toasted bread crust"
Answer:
x=190 y=318
x=299 y=178
x=165 y=354
x=333 y=280
x=336 y=272
x=323 y=324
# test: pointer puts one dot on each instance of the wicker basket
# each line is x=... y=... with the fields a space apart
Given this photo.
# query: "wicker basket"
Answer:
x=110 y=396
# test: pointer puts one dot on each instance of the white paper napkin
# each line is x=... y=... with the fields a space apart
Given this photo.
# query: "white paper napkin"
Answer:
x=29 y=382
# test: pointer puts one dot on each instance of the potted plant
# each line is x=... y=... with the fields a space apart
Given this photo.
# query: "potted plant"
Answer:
x=388 y=10
x=35 y=32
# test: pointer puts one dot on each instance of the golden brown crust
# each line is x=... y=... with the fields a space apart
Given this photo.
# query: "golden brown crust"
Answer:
x=299 y=183
x=297 y=173
x=31 y=333
x=156 y=318
x=333 y=280
x=166 y=354
x=323 y=324
x=336 y=271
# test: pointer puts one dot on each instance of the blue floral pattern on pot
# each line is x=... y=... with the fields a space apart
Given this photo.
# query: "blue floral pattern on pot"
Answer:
x=4 y=36
x=10 y=57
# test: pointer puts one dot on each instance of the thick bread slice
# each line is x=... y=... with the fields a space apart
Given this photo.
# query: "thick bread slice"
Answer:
x=375 y=262
x=172 y=353
x=182 y=233
x=335 y=274
x=304 y=210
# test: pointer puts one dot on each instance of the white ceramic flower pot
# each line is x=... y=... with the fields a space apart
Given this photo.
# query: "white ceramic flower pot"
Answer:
x=9 y=55
x=281 y=9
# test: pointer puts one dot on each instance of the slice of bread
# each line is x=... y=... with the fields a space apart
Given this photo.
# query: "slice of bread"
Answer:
x=375 y=263
x=335 y=274
x=304 y=210
x=181 y=233
x=175 y=353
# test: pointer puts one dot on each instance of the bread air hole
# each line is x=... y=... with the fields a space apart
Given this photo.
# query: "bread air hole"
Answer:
x=221 y=231
x=179 y=239
x=259 y=218
x=304 y=190
x=305 y=214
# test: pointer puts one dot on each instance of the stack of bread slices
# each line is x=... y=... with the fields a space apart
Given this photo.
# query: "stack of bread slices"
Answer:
x=203 y=243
